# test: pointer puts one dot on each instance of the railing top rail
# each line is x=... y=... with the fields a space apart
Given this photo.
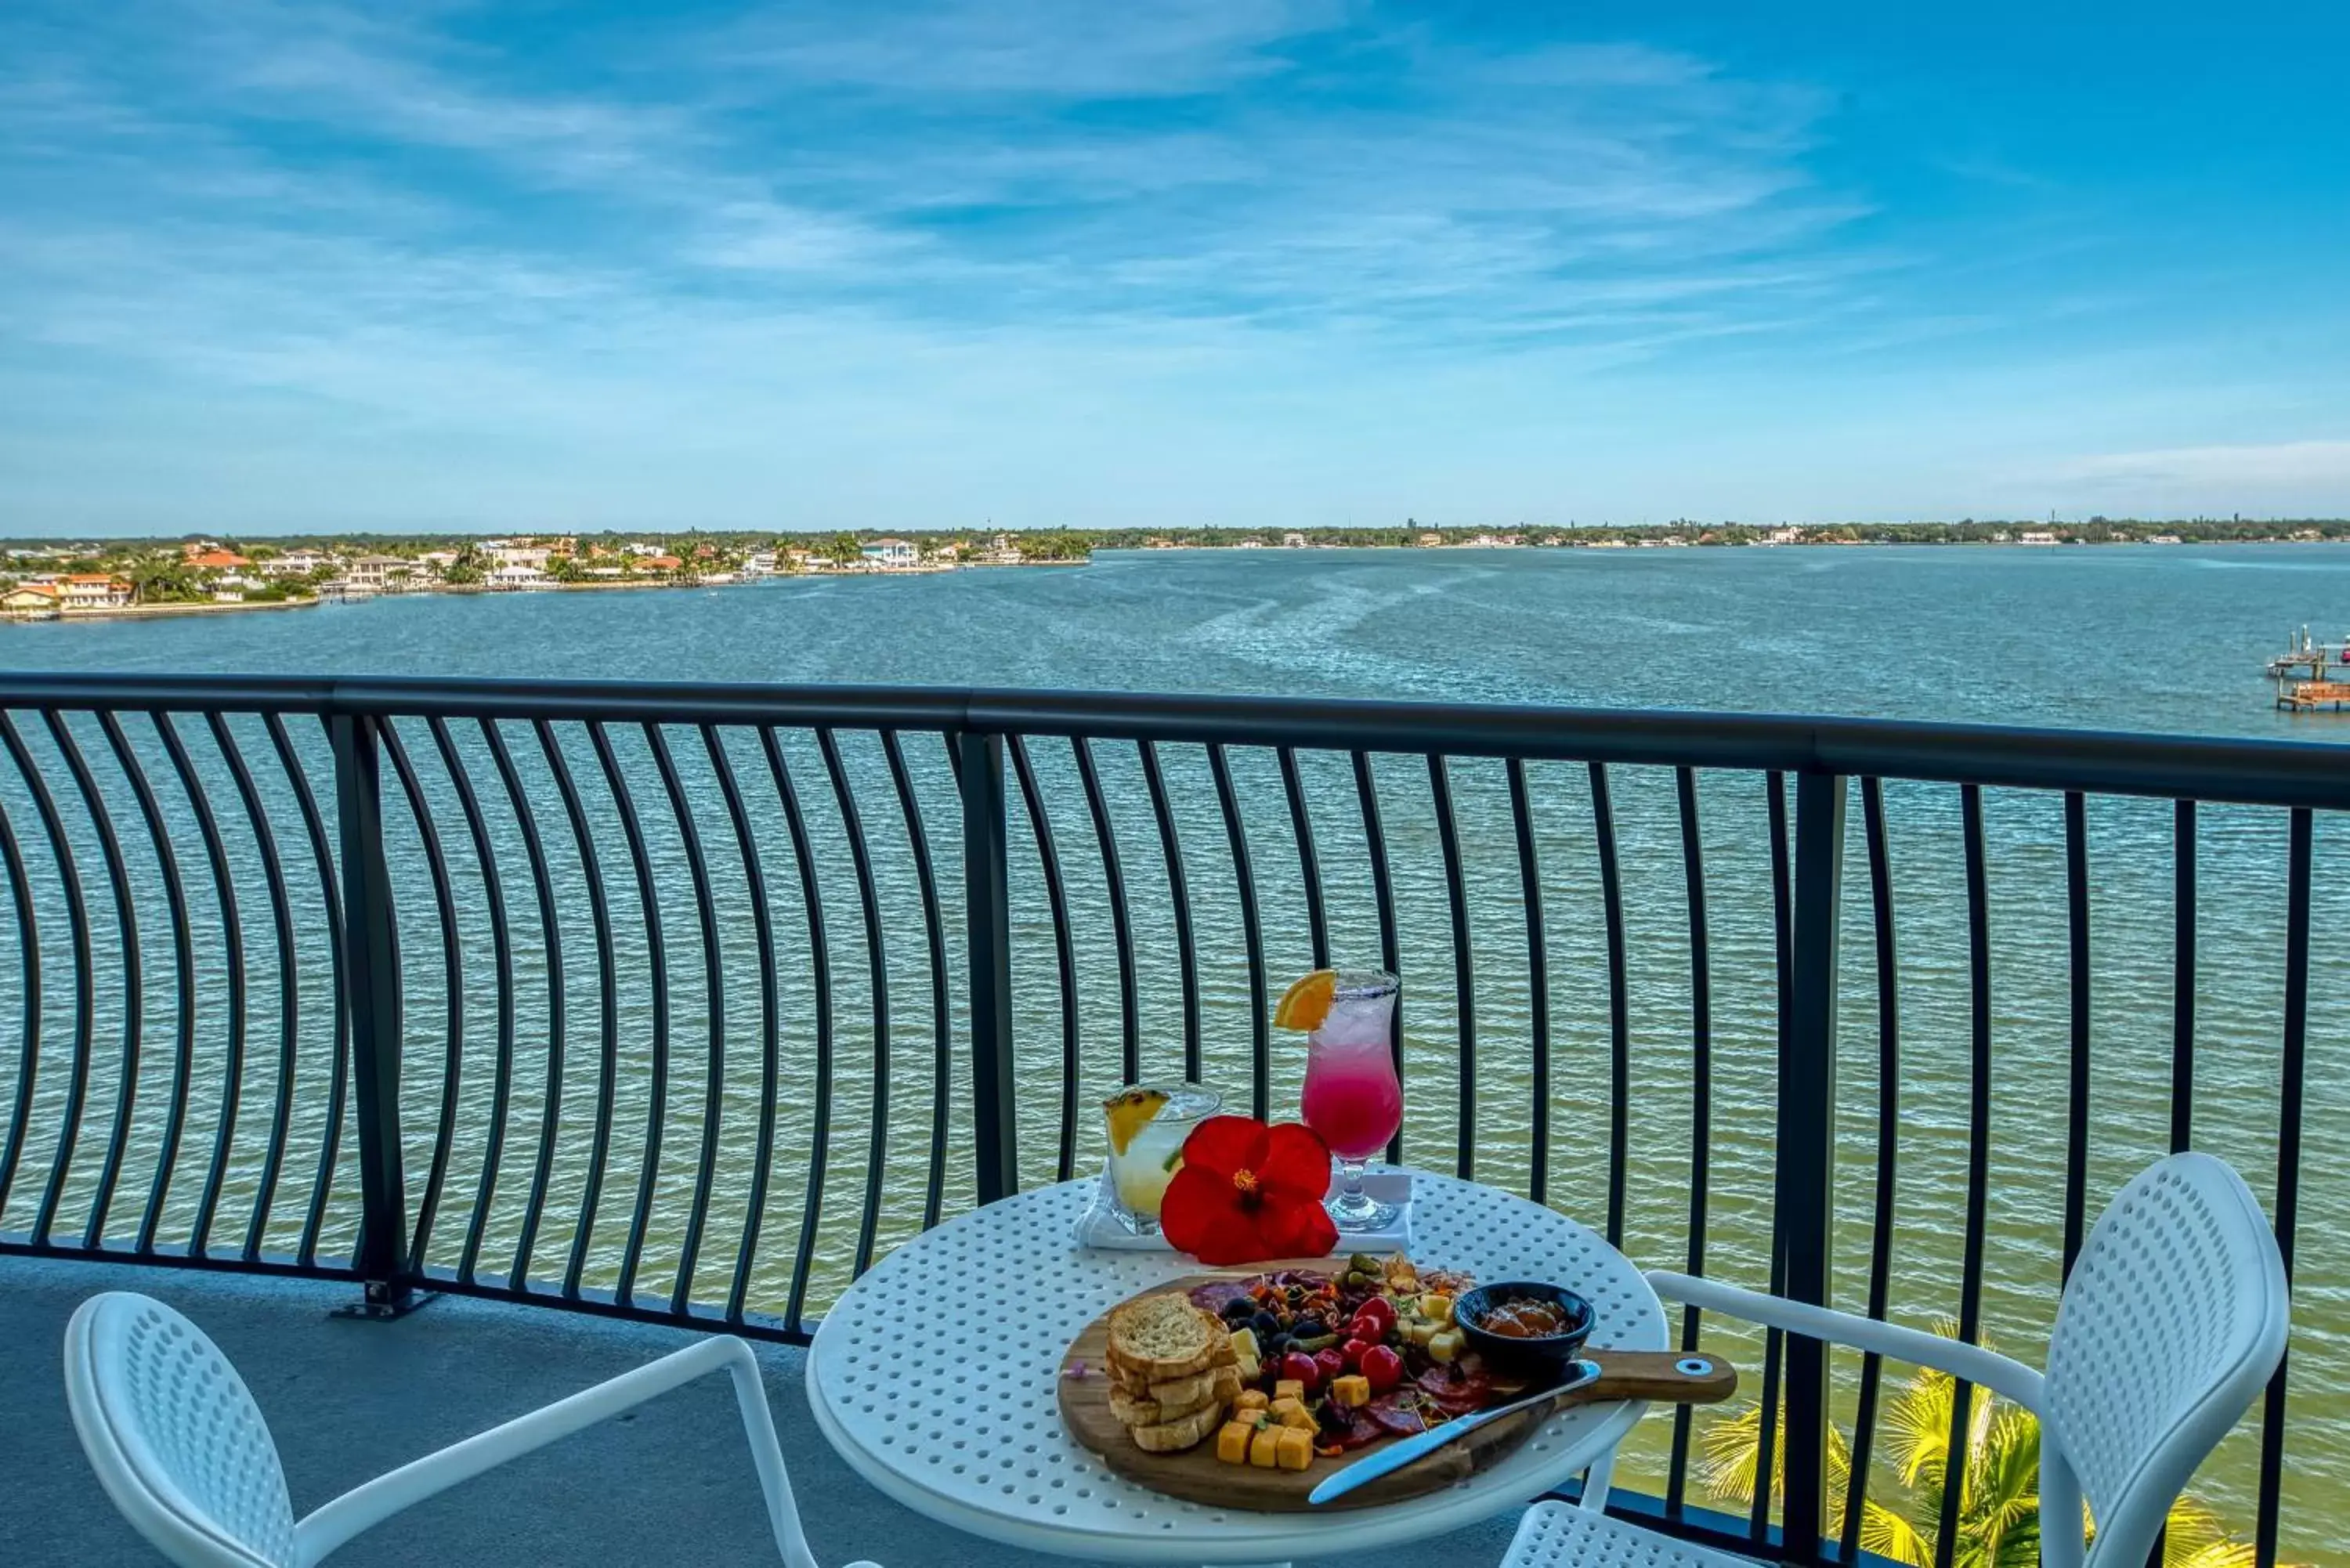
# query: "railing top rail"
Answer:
x=2214 y=768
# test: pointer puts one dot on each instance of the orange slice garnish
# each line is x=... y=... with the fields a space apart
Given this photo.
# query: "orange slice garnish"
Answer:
x=1306 y=1004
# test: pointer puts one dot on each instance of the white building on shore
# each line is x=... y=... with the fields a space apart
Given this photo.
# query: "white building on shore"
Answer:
x=888 y=554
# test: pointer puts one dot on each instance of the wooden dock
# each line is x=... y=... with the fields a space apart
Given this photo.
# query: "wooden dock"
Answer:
x=2312 y=675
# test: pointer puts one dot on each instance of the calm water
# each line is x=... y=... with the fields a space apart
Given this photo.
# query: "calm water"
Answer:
x=2170 y=638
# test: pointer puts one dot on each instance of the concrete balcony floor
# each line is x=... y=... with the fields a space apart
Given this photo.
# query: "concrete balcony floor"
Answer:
x=670 y=1483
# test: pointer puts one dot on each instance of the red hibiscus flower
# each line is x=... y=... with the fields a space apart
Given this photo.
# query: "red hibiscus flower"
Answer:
x=1248 y=1192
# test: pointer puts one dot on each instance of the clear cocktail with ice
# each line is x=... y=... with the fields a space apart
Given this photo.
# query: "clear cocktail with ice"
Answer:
x=1147 y=1124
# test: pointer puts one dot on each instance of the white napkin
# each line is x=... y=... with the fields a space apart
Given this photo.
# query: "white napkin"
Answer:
x=1099 y=1228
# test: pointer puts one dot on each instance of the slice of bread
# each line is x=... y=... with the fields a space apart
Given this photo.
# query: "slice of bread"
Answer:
x=1182 y=1432
x=1164 y=1336
x=1179 y=1396
x=1177 y=1390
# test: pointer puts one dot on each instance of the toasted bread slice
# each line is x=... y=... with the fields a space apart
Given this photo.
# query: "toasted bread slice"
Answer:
x=1176 y=1390
x=1179 y=1396
x=1182 y=1432
x=1165 y=1336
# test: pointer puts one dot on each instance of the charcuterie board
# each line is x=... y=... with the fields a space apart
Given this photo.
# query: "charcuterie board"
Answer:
x=1197 y=1474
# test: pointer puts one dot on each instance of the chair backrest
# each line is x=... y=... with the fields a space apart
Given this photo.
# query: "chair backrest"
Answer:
x=175 y=1437
x=2173 y=1320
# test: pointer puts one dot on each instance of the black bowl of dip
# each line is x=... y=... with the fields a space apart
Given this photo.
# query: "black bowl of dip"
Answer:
x=1551 y=1324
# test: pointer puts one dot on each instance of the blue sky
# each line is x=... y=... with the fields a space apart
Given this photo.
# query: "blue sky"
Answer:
x=268 y=267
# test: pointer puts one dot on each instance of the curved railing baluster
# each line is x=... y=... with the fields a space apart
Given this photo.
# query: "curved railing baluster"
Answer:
x=877 y=963
x=1970 y=816
x=657 y=965
x=1309 y=868
x=1178 y=898
x=1530 y=894
x=1252 y=933
x=1701 y=1102
x=713 y=985
x=2076 y=1104
x=2293 y=1071
x=1121 y=923
x=1619 y=1005
x=192 y=784
x=1889 y=1138
x=1464 y=977
x=184 y=975
x=1375 y=843
x=452 y=990
x=29 y=1040
x=821 y=967
x=289 y=993
x=2182 y=978
x=608 y=1007
x=1040 y=827
x=134 y=1010
x=941 y=1019
x=1783 y=931
x=550 y=1119
x=762 y=932
x=485 y=858
x=329 y=885
x=77 y=1100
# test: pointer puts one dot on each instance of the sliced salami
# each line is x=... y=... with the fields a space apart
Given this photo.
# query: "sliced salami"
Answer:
x=1396 y=1413
x=1218 y=1294
x=1455 y=1390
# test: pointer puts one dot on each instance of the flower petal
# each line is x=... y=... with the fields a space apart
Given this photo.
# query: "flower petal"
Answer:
x=1197 y=1204
x=1295 y=1162
x=1222 y=1144
x=1297 y=1230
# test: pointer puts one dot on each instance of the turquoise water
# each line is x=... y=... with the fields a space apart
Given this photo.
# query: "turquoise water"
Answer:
x=2153 y=639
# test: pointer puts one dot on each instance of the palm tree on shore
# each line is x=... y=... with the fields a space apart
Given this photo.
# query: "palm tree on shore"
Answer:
x=1999 y=1517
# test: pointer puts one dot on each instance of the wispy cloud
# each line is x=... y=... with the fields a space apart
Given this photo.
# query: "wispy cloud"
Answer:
x=972 y=226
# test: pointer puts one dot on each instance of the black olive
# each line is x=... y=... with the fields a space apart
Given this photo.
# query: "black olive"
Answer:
x=1240 y=1311
x=1273 y=1343
x=1264 y=1322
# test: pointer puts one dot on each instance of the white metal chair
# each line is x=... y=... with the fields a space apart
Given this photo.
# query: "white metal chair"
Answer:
x=181 y=1449
x=2173 y=1320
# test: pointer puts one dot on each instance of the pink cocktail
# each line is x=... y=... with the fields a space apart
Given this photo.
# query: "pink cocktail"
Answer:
x=1352 y=1098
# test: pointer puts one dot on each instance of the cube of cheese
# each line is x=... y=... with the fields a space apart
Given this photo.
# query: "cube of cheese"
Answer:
x=1232 y=1441
x=1245 y=1354
x=1286 y=1405
x=1301 y=1420
x=1264 y=1448
x=1296 y=1452
x=1251 y=1399
x=1351 y=1390
x=1289 y=1389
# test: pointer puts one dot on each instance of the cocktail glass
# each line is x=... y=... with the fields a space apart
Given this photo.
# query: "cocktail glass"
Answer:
x=1353 y=1098
x=1137 y=1176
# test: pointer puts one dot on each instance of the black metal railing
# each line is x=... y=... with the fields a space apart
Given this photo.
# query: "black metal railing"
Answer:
x=657 y=1000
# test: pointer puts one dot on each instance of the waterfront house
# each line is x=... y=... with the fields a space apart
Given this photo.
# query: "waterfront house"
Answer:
x=888 y=555
x=31 y=599
x=93 y=590
x=382 y=573
x=517 y=576
x=1293 y=540
x=297 y=564
x=659 y=562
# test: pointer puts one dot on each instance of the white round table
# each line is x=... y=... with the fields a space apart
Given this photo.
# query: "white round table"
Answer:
x=935 y=1374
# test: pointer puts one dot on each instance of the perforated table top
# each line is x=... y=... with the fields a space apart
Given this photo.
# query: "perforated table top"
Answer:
x=934 y=1378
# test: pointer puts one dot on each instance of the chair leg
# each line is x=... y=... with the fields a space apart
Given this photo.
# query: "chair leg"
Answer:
x=1597 y=1480
x=767 y=1456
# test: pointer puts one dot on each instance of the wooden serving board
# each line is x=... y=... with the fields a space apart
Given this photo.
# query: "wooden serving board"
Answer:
x=1196 y=1474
